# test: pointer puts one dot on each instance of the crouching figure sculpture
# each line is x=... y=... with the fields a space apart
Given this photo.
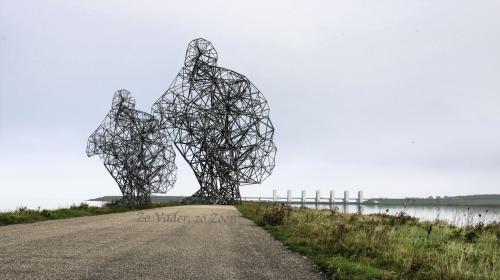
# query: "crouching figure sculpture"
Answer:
x=138 y=156
x=221 y=126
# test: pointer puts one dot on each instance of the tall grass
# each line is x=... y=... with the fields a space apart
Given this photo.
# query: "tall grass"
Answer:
x=24 y=215
x=380 y=246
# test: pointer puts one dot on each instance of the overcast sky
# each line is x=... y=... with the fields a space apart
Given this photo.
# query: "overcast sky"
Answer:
x=396 y=98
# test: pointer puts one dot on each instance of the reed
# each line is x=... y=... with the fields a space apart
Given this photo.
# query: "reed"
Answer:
x=381 y=246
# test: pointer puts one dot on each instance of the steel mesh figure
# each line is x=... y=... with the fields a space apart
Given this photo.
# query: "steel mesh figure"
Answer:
x=138 y=156
x=220 y=124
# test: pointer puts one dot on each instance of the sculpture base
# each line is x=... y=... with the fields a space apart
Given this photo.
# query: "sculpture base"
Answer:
x=198 y=199
x=130 y=200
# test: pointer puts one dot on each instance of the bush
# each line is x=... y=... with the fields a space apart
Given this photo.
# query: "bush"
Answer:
x=471 y=236
x=46 y=213
x=457 y=234
x=276 y=215
x=113 y=204
x=472 y=233
x=82 y=205
x=21 y=210
x=340 y=232
x=402 y=218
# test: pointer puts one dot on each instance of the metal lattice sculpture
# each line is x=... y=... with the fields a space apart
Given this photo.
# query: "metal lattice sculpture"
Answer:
x=135 y=152
x=220 y=124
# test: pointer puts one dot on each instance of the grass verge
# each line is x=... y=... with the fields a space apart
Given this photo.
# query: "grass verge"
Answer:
x=353 y=246
x=24 y=215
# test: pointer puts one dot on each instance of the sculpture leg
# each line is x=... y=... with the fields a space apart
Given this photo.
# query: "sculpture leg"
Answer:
x=210 y=194
x=133 y=197
x=143 y=198
x=230 y=194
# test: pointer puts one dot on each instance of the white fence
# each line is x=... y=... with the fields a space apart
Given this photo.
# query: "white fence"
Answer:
x=303 y=199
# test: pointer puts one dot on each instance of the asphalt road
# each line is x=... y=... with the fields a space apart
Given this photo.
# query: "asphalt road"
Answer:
x=185 y=242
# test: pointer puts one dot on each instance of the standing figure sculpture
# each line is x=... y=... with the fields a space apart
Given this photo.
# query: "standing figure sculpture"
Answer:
x=135 y=152
x=220 y=124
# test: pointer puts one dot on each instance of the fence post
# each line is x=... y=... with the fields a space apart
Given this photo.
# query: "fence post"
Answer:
x=303 y=199
x=332 y=197
x=346 y=197
x=318 y=196
x=360 y=197
x=288 y=196
x=274 y=195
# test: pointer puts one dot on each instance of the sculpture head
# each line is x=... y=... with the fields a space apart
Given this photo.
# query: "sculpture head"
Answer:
x=122 y=100
x=122 y=109
x=200 y=50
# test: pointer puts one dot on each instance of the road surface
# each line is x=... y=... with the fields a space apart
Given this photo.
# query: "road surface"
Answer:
x=184 y=242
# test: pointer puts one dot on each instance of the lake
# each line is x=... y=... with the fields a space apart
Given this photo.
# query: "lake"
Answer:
x=455 y=215
x=42 y=203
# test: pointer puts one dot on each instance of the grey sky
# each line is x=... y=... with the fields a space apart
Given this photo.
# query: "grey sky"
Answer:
x=398 y=98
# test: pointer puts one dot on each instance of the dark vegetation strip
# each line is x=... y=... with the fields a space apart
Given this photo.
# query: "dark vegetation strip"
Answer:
x=24 y=215
x=380 y=246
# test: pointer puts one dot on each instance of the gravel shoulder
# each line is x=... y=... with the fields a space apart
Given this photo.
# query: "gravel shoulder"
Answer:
x=183 y=242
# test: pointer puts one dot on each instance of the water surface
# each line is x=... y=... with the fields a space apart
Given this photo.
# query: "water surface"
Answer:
x=455 y=215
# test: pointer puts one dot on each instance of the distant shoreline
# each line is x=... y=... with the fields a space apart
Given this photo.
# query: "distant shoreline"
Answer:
x=482 y=200
x=154 y=199
x=486 y=200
